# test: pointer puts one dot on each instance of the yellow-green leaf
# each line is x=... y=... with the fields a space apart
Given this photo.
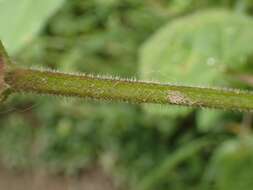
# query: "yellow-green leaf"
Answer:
x=198 y=50
x=20 y=20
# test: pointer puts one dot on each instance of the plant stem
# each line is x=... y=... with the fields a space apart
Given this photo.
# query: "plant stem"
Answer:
x=87 y=86
x=14 y=79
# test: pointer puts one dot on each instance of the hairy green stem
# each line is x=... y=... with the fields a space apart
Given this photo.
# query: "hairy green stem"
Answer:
x=14 y=79
x=87 y=86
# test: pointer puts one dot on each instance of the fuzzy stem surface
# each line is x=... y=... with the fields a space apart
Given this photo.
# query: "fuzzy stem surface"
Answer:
x=102 y=88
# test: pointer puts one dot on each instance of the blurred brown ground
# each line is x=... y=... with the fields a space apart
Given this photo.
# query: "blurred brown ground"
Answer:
x=94 y=179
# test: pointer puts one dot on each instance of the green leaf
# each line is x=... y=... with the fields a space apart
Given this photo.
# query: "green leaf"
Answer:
x=170 y=162
x=215 y=120
x=208 y=119
x=232 y=166
x=21 y=20
x=198 y=49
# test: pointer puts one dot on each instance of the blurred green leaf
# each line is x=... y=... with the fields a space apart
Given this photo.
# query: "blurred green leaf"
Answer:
x=232 y=165
x=20 y=20
x=216 y=120
x=16 y=139
x=170 y=162
x=208 y=119
x=198 y=49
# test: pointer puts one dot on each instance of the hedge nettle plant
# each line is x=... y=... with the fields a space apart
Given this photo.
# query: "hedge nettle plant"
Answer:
x=15 y=79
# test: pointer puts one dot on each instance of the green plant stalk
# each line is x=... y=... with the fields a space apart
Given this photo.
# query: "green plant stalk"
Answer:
x=22 y=80
x=101 y=88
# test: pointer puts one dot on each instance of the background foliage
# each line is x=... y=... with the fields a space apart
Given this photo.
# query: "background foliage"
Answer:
x=143 y=147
